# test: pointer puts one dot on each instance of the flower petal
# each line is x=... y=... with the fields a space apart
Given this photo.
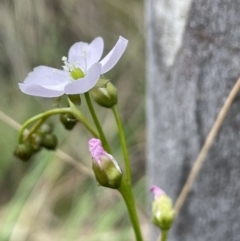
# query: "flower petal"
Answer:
x=85 y=84
x=47 y=76
x=76 y=54
x=94 y=51
x=156 y=191
x=114 y=55
x=82 y=52
x=37 y=90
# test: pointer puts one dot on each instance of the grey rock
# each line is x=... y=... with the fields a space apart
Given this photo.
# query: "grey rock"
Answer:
x=192 y=64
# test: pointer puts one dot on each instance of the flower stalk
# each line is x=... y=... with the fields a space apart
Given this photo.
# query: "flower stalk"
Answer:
x=126 y=192
x=43 y=116
x=123 y=143
x=97 y=123
x=164 y=235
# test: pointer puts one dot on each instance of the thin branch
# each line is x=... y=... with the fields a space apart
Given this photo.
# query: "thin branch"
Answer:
x=204 y=151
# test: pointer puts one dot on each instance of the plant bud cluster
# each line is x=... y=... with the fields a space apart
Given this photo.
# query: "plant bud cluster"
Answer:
x=42 y=138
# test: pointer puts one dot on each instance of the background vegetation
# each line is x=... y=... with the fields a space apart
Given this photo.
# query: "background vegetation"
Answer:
x=49 y=198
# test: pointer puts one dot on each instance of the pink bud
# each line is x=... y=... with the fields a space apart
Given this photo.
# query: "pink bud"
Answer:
x=96 y=149
x=156 y=191
x=106 y=169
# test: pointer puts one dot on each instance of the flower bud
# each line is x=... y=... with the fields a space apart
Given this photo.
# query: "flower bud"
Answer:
x=46 y=128
x=36 y=141
x=49 y=141
x=68 y=120
x=75 y=99
x=105 y=167
x=162 y=211
x=106 y=95
x=23 y=151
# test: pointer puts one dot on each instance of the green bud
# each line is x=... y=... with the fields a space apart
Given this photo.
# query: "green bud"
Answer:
x=163 y=212
x=46 y=128
x=68 y=120
x=77 y=73
x=105 y=96
x=35 y=141
x=23 y=151
x=75 y=99
x=107 y=172
x=49 y=141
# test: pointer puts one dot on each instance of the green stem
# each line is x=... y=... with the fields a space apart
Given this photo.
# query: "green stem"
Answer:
x=41 y=117
x=123 y=144
x=83 y=119
x=34 y=128
x=96 y=121
x=164 y=235
x=126 y=192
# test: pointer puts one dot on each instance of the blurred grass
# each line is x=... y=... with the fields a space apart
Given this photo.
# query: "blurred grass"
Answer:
x=47 y=199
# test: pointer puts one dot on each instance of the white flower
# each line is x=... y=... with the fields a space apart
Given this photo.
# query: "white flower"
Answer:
x=80 y=73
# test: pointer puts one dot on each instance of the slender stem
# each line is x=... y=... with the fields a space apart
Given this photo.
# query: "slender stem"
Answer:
x=164 y=235
x=83 y=119
x=208 y=143
x=62 y=155
x=41 y=117
x=97 y=123
x=123 y=144
x=34 y=128
x=126 y=192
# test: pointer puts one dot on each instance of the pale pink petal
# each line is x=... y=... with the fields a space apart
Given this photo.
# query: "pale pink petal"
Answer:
x=76 y=54
x=37 y=90
x=114 y=55
x=94 y=51
x=85 y=84
x=47 y=76
x=156 y=191
x=96 y=149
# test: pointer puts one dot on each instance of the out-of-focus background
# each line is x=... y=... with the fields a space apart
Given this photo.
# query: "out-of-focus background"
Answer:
x=48 y=198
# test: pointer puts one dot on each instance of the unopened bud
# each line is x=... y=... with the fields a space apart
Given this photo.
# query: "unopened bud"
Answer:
x=162 y=210
x=49 y=141
x=105 y=167
x=36 y=141
x=75 y=99
x=106 y=95
x=46 y=128
x=68 y=120
x=23 y=151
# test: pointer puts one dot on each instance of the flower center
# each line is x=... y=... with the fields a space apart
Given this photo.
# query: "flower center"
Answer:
x=75 y=72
